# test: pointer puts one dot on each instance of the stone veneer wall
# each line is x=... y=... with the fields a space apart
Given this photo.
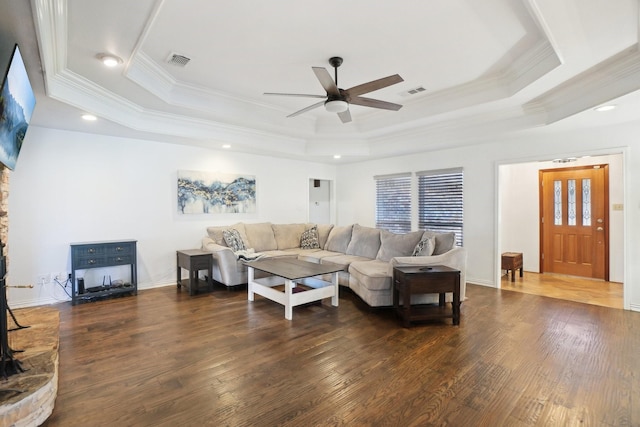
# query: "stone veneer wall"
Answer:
x=40 y=341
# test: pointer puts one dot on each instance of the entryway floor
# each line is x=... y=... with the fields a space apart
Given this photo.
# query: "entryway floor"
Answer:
x=572 y=288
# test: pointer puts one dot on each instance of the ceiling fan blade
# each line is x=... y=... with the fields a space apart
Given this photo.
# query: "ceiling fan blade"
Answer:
x=374 y=85
x=375 y=103
x=345 y=116
x=326 y=81
x=301 y=95
x=304 y=110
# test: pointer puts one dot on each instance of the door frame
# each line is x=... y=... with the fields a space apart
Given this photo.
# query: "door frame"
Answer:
x=627 y=241
x=332 y=197
x=541 y=172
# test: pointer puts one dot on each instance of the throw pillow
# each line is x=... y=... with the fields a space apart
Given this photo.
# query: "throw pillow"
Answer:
x=310 y=239
x=233 y=240
x=425 y=247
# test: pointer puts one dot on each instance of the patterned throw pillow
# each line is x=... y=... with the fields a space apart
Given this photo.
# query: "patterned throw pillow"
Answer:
x=425 y=247
x=309 y=239
x=233 y=240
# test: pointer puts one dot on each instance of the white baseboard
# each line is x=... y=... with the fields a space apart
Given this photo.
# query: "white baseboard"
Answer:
x=480 y=282
x=35 y=303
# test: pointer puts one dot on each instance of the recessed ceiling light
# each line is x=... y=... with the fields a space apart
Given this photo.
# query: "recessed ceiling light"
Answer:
x=226 y=146
x=109 y=60
x=605 y=108
x=89 y=117
x=336 y=156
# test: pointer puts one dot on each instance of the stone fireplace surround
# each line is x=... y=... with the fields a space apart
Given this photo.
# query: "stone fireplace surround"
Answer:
x=28 y=398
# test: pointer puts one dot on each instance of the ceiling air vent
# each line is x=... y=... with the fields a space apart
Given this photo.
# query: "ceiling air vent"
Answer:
x=177 y=59
x=413 y=91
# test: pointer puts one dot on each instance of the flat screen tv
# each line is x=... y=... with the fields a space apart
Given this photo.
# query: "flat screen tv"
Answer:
x=17 y=102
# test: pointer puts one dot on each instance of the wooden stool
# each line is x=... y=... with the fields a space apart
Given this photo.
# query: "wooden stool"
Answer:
x=512 y=261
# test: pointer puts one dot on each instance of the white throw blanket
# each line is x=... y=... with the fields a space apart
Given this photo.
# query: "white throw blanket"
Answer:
x=248 y=255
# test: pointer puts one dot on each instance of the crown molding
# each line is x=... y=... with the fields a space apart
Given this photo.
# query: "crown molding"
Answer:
x=258 y=127
x=531 y=66
x=50 y=17
x=81 y=93
x=66 y=86
x=445 y=133
x=607 y=80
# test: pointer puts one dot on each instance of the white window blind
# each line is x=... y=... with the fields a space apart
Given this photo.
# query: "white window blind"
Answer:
x=393 y=202
x=440 y=206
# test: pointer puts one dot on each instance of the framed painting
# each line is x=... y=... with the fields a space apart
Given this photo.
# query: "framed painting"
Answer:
x=215 y=193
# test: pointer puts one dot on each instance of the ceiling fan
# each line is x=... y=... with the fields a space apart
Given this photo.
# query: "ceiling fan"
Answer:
x=338 y=100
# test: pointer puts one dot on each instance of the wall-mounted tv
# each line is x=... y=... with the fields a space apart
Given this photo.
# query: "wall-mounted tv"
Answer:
x=17 y=102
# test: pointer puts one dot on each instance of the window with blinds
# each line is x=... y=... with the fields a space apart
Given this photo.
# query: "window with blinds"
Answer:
x=440 y=205
x=393 y=202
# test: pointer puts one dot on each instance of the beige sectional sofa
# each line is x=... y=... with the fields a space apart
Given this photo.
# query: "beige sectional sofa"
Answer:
x=367 y=255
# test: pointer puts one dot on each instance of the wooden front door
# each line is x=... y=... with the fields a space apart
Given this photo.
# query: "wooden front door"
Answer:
x=574 y=221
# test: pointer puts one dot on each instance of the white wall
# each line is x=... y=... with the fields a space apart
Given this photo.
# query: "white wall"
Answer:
x=73 y=187
x=519 y=227
x=356 y=191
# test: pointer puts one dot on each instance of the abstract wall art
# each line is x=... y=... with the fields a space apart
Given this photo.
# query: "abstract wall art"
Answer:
x=215 y=193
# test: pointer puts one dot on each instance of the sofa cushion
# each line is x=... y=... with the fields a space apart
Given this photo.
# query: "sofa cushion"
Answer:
x=287 y=235
x=260 y=237
x=300 y=251
x=444 y=241
x=309 y=238
x=323 y=234
x=316 y=256
x=279 y=254
x=343 y=260
x=370 y=274
x=216 y=233
x=365 y=241
x=425 y=246
x=233 y=240
x=393 y=245
x=339 y=239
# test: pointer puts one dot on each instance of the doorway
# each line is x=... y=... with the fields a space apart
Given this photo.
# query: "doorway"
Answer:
x=319 y=201
x=518 y=215
x=574 y=221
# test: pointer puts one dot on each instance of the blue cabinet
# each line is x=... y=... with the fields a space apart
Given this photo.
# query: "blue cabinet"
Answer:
x=104 y=254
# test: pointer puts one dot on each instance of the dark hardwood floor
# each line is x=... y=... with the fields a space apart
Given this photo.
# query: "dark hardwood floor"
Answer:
x=164 y=358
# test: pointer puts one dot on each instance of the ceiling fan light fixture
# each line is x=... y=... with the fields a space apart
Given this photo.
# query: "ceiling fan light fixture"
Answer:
x=336 y=106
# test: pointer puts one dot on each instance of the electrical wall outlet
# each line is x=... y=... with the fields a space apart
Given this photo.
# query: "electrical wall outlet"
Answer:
x=60 y=277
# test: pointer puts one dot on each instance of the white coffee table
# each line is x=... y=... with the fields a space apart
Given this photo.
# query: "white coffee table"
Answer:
x=291 y=272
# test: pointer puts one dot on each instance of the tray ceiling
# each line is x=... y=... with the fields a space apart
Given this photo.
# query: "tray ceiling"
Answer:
x=487 y=68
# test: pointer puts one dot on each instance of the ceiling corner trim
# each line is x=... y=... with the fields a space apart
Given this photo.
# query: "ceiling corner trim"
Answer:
x=615 y=77
x=532 y=66
x=50 y=17
x=145 y=32
x=143 y=71
x=536 y=14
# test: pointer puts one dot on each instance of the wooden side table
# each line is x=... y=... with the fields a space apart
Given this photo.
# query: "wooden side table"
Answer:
x=512 y=261
x=194 y=260
x=435 y=279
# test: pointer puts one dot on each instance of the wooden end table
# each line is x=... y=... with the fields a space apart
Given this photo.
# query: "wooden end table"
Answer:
x=194 y=260
x=512 y=261
x=434 y=279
